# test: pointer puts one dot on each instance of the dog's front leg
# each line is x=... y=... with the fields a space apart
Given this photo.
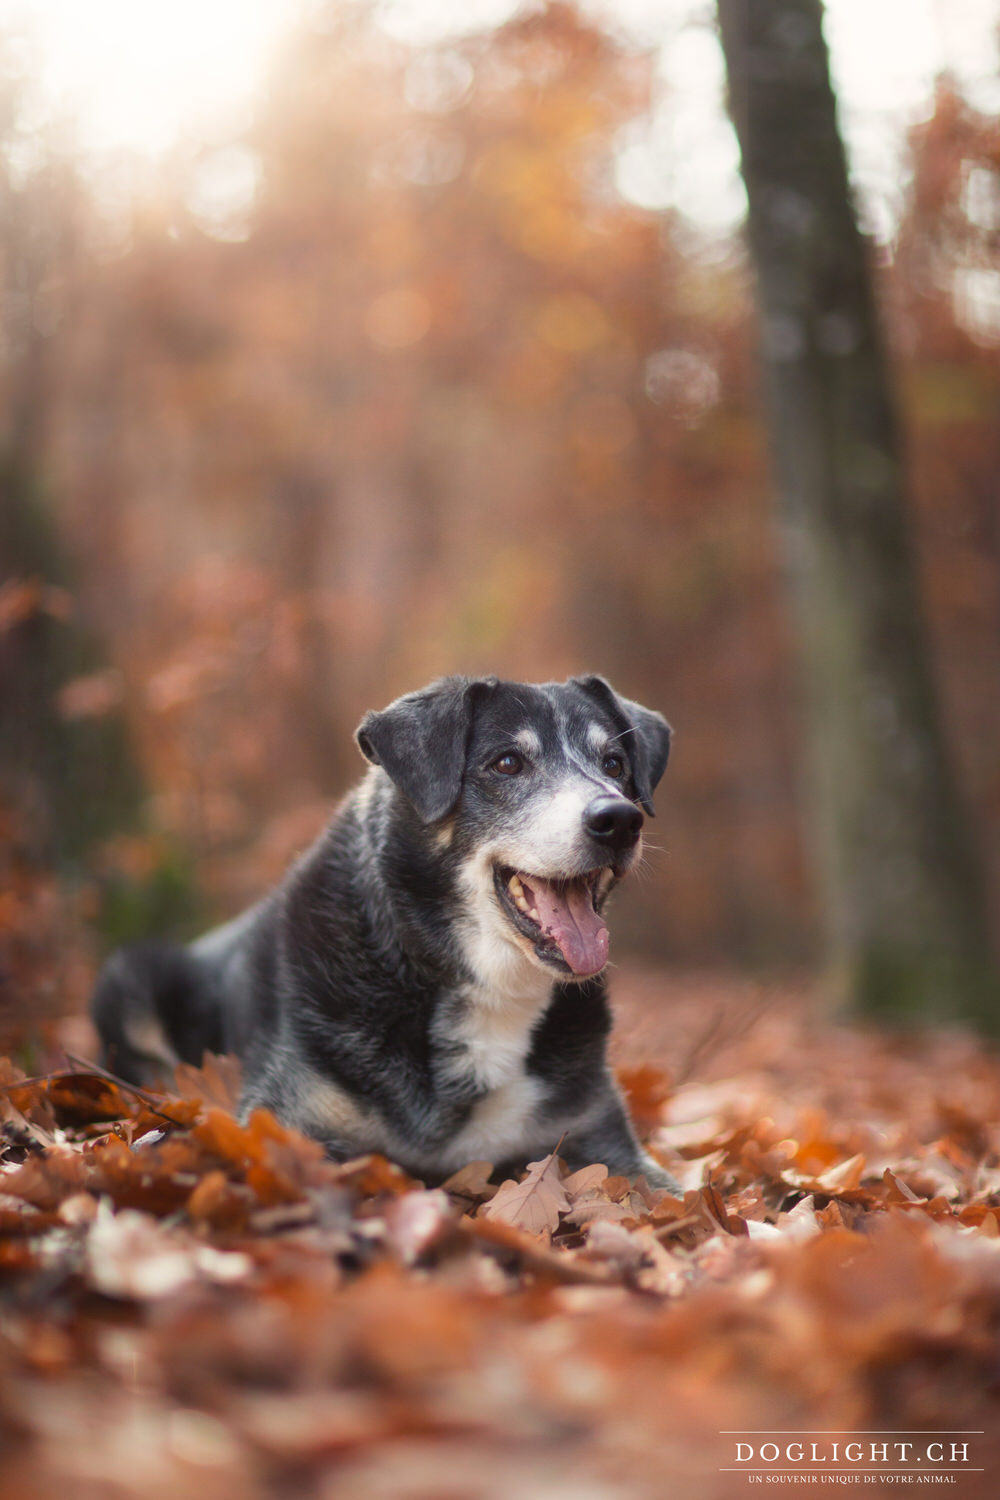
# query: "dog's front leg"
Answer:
x=606 y=1135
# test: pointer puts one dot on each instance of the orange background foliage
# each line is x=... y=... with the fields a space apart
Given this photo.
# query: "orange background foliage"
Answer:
x=441 y=400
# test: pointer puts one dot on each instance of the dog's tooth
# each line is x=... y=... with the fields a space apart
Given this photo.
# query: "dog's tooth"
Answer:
x=533 y=914
x=521 y=903
x=515 y=885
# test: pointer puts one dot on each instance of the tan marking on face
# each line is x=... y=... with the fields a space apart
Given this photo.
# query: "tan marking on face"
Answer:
x=444 y=835
x=528 y=741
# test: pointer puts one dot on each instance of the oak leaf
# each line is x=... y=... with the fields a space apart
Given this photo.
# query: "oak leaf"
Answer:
x=471 y=1182
x=584 y=1180
x=535 y=1202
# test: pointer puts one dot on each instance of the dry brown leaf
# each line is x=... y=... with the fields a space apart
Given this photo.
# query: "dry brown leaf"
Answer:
x=220 y=1203
x=373 y=1174
x=471 y=1182
x=647 y=1091
x=843 y=1178
x=611 y=1242
x=216 y=1083
x=590 y=1206
x=583 y=1180
x=417 y=1221
x=535 y=1202
x=453 y=1330
x=130 y=1255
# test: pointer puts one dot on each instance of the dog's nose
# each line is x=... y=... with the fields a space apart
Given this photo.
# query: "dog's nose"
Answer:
x=612 y=821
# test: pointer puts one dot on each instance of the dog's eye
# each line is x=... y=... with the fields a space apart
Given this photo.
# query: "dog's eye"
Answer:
x=613 y=765
x=509 y=764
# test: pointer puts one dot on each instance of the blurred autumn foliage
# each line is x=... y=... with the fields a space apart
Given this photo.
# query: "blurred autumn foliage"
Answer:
x=394 y=383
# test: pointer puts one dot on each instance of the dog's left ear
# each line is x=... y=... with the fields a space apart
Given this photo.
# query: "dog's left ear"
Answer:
x=645 y=734
x=420 y=741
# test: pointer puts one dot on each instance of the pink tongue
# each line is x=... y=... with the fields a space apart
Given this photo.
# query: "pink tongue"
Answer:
x=567 y=915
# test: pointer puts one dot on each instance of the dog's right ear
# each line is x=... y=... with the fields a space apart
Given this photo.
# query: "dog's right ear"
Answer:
x=420 y=741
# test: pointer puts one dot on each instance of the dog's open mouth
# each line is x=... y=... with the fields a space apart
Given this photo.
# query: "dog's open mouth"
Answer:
x=560 y=917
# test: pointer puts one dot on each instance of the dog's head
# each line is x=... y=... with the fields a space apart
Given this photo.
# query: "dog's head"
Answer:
x=538 y=792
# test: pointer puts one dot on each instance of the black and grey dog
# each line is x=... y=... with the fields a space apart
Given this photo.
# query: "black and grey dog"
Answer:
x=427 y=980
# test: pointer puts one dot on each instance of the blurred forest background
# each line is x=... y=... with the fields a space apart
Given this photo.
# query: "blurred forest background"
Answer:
x=389 y=377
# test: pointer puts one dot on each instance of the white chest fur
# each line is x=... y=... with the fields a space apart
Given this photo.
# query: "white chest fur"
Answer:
x=494 y=1036
x=502 y=1124
x=489 y=1040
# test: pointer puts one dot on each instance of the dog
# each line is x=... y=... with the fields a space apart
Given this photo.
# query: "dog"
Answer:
x=427 y=982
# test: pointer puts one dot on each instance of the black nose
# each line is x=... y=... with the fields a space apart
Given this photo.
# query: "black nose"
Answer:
x=612 y=821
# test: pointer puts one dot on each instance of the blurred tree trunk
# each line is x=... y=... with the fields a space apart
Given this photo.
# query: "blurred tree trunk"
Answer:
x=902 y=891
x=73 y=779
x=301 y=510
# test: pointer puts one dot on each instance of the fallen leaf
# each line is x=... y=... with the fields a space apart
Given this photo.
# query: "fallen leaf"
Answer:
x=535 y=1202
x=584 y=1180
x=415 y=1221
x=216 y=1083
x=471 y=1182
x=130 y=1255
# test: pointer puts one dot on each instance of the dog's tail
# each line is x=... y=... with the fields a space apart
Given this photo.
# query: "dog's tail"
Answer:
x=154 y=1007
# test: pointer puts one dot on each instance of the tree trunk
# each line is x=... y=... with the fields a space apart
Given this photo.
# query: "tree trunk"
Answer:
x=74 y=780
x=300 y=514
x=902 y=891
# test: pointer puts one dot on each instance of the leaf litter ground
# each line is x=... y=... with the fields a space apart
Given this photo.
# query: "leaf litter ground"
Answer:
x=194 y=1307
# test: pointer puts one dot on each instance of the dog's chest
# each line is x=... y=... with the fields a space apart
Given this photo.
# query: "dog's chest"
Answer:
x=489 y=1042
x=489 y=1045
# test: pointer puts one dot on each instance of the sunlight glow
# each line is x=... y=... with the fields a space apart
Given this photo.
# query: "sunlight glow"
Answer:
x=138 y=73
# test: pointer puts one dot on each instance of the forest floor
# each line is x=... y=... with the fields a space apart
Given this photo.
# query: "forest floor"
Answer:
x=191 y=1308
